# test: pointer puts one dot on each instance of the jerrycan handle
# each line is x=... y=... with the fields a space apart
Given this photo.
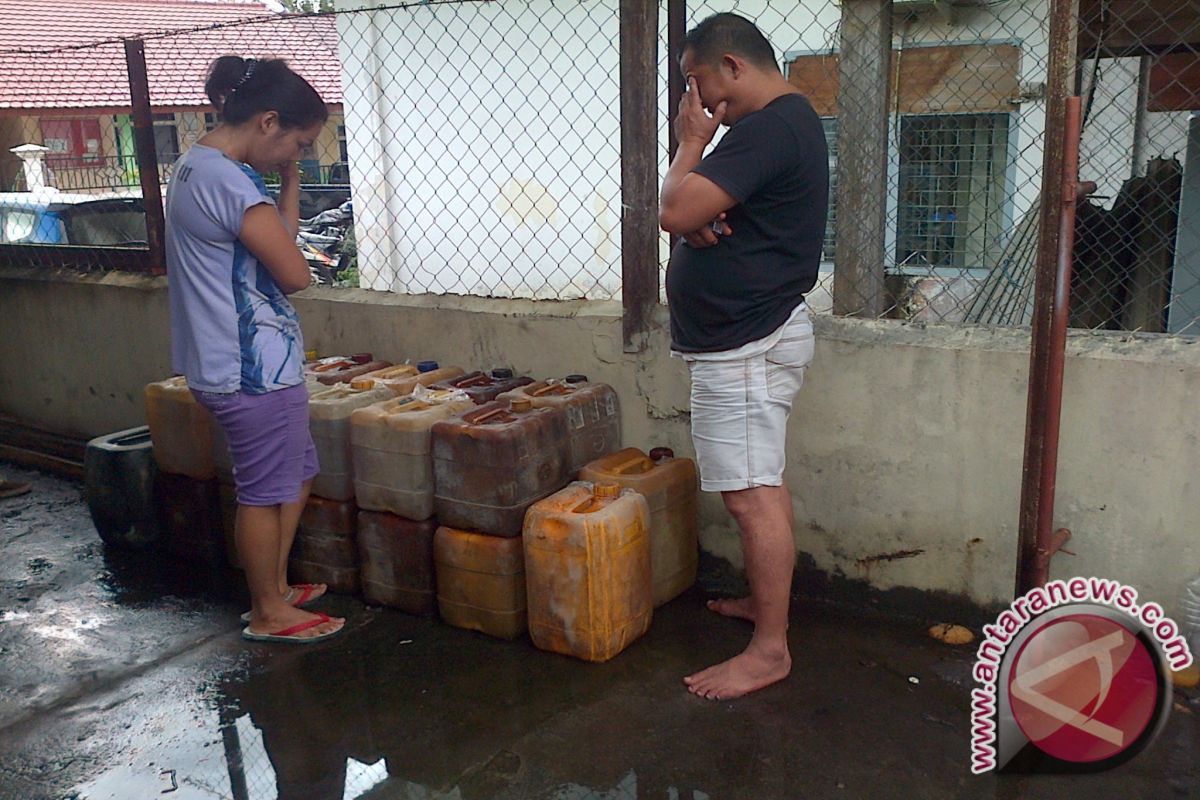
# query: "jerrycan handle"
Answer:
x=631 y=465
x=478 y=418
x=602 y=494
x=341 y=364
x=403 y=404
x=478 y=379
x=551 y=388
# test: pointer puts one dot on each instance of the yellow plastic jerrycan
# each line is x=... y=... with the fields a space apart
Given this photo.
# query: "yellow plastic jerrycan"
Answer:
x=670 y=486
x=180 y=429
x=587 y=570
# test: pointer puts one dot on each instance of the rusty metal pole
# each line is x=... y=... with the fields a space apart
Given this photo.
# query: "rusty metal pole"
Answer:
x=147 y=158
x=1050 y=541
x=639 y=169
x=1035 y=543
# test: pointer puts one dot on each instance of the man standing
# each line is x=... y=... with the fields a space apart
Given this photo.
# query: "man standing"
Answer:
x=752 y=218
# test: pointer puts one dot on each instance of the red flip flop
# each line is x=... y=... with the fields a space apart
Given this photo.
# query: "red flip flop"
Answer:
x=308 y=593
x=289 y=634
x=307 y=590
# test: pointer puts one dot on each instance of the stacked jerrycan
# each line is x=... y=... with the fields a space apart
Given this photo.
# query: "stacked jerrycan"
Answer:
x=186 y=491
x=405 y=378
x=587 y=570
x=669 y=485
x=490 y=464
x=593 y=414
x=325 y=550
x=484 y=387
x=393 y=469
x=341 y=369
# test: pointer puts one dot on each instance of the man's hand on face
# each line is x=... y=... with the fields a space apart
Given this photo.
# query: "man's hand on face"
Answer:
x=693 y=124
x=707 y=236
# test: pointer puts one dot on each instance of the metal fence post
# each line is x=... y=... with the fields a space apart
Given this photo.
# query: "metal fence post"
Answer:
x=147 y=158
x=864 y=75
x=1046 y=352
x=639 y=168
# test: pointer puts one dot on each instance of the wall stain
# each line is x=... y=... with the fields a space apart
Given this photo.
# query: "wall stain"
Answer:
x=527 y=203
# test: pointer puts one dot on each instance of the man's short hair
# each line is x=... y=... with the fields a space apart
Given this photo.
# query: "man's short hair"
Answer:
x=725 y=33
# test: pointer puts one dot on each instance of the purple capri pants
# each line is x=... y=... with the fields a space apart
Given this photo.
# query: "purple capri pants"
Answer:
x=272 y=448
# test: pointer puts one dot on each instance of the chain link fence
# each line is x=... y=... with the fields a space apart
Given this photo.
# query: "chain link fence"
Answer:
x=474 y=148
x=1137 y=260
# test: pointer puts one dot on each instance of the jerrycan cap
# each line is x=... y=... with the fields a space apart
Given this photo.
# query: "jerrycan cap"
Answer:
x=607 y=490
x=502 y=373
x=576 y=378
x=361 y=358
x=361 y=384
x=520 y=404
x=426 y=366
x=310 y=355
x=661 y=453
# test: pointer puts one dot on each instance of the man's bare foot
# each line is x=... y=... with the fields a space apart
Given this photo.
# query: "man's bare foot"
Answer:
x=742 y=674
x=740 y=608
x=289 y=617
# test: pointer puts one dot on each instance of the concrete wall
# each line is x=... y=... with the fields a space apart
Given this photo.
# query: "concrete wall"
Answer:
x=904 y=451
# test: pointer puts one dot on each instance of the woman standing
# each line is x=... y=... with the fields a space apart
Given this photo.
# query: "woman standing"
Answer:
x=231 y=261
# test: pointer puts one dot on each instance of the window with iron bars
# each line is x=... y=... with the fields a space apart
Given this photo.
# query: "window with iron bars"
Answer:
x=949 y=192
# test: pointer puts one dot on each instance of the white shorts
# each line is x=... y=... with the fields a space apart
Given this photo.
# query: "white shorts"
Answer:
x=740 y=411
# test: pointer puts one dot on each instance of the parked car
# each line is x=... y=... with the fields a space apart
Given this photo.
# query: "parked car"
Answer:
x=73 y=219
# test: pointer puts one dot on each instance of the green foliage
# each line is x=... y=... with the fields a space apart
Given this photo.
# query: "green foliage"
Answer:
x=349 y=276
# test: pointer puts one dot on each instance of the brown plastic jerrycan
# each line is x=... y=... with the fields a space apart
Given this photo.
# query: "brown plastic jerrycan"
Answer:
x=593 y=414
x=484 y=387
x=343 y=369
x=325 y=550
x=492 y=463
x=395 y=557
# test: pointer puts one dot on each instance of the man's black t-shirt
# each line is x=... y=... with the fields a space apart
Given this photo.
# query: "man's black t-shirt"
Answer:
x=774 y=163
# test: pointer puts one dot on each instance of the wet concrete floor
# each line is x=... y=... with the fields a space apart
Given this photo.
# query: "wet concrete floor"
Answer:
x=119 y=680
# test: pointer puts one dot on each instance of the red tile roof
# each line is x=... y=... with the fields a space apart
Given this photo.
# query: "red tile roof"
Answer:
x=95 y=77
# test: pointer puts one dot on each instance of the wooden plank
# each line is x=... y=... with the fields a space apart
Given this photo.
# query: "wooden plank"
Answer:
x=35 y=460
x=863 y=72
x=956 y=79
x=817 y=77
x=1175 y=83
x=147 y=156
x=27 y=437
x=1136 y=27
x=639 y=169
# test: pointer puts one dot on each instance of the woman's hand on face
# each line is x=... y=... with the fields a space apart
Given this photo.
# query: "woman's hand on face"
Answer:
x=289 y=172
